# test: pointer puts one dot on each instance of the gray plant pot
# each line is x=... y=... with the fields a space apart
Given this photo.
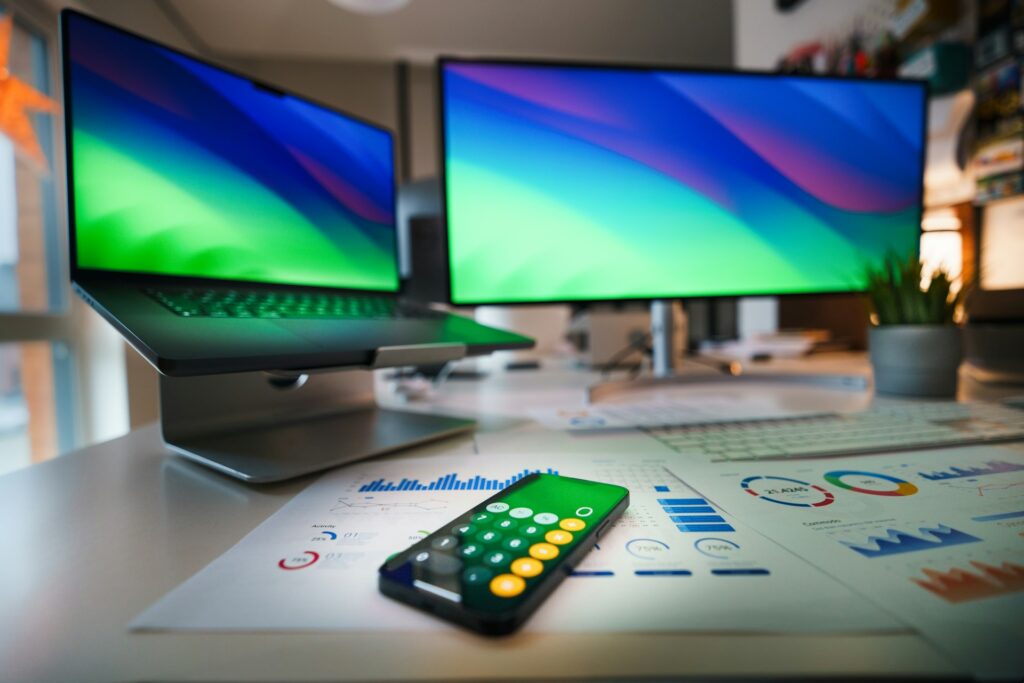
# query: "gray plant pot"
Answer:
x=916 y=360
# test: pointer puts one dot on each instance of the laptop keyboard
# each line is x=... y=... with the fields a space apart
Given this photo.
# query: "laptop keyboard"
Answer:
x=236 y=303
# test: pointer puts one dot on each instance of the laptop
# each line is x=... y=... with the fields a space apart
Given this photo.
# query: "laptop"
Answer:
x=224 y=225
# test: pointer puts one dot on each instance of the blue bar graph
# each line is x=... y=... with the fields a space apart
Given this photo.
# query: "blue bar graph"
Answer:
x=449 y=482
x=697 y=519
x=663 y=572
x=593 y=573
x=701 y=528
x=740 y=572
x=693 y=515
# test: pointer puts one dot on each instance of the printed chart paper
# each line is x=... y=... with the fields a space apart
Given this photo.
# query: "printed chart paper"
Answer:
x=936 y=537
x=708 y=408
x=674 y=561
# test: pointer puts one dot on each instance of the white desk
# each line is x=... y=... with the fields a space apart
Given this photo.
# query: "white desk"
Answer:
x=90 y=539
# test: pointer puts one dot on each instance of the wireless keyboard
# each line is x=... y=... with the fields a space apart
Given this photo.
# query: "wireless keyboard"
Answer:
x=888 y=426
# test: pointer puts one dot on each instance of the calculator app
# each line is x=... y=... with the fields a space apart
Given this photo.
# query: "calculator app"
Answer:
x=494 y=555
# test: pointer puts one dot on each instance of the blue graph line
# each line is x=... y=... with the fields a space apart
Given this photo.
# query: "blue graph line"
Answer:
x=896 y=541
x=996 y=518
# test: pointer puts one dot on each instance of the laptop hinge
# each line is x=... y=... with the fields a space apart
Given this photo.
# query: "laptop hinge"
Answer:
x=417 y=354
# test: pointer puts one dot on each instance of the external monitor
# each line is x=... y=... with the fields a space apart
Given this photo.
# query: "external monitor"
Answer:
x=569 y=182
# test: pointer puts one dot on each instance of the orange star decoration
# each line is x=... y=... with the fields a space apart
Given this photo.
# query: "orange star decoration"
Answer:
x=17 y=99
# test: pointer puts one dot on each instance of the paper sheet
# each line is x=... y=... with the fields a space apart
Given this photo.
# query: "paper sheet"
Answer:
x=936 y=537
x=709 y=407
x=672 y=563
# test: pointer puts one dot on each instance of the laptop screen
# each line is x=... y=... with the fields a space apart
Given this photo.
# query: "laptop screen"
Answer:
x=179 y=168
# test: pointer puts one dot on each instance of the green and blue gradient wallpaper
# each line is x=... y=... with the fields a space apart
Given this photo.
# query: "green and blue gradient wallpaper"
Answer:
x=180 y=168
x=581 y=183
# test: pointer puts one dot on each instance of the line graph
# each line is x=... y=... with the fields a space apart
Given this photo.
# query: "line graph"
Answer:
x=964 y=585
x=896 y=541
x=369 y=505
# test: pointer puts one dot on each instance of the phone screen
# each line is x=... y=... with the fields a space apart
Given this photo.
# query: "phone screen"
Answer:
x=494 y=558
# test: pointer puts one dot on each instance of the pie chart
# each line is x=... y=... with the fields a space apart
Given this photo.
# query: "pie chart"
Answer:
x=786 y=491
x=871 y=483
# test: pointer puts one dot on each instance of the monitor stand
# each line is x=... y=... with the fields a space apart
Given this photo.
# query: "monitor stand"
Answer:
x=269 y=426
x=664 y=374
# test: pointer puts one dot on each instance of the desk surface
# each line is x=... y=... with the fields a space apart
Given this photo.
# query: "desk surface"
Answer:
x=92 y=538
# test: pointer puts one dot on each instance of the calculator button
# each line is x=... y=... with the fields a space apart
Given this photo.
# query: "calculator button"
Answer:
x=481 y=516
x=558 y=537
x=543 y=551
x=584 y=511
x=463 y=529
x=532 y=530
x=545 y=518
x=514 y=544
x=572 y=524
x=497 y=507
x=471 y=550
x=507 y=524
x=442 y=563
x=489 y=536
x=443 y=543
x=421 y=557
x=507 y=585
x=527 y=567
x=520 y=513
x=474 y=576
x=496 y=558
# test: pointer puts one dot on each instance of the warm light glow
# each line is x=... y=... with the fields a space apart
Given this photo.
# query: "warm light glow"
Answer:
x=941 y=250
x=940 y=219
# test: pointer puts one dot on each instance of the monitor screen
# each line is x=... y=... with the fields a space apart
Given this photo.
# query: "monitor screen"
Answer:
x=180 y=168
x=573 y=183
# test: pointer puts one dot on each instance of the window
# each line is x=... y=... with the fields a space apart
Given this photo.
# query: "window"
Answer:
x=31 y=255
x=37 y=377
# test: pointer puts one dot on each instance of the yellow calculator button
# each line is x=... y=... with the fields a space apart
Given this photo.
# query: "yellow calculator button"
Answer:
x=572 y=524
x=527 y=566
x=507 y=585
x=543 y=551
x=558 y=537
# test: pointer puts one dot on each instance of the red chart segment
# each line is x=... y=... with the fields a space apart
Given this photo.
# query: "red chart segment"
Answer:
x=786 y=491
x=300 y=561
x=964 y=585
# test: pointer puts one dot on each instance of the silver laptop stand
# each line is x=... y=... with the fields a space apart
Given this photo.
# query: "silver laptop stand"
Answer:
x=271 y=426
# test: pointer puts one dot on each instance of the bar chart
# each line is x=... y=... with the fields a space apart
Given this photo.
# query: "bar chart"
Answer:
x=450 y=482
x=692 y=515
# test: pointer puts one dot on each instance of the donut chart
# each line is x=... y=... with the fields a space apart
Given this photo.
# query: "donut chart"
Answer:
x=871 y=483
x=786 y=491
x=300 y=561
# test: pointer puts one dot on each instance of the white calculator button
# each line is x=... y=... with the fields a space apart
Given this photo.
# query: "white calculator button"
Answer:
x=545 y=518
x=521 y=513
x=497 y=507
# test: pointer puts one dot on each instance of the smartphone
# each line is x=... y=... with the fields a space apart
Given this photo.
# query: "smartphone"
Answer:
x=490 y=568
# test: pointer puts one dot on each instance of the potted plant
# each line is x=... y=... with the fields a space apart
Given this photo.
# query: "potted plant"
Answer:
x=914 y=340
